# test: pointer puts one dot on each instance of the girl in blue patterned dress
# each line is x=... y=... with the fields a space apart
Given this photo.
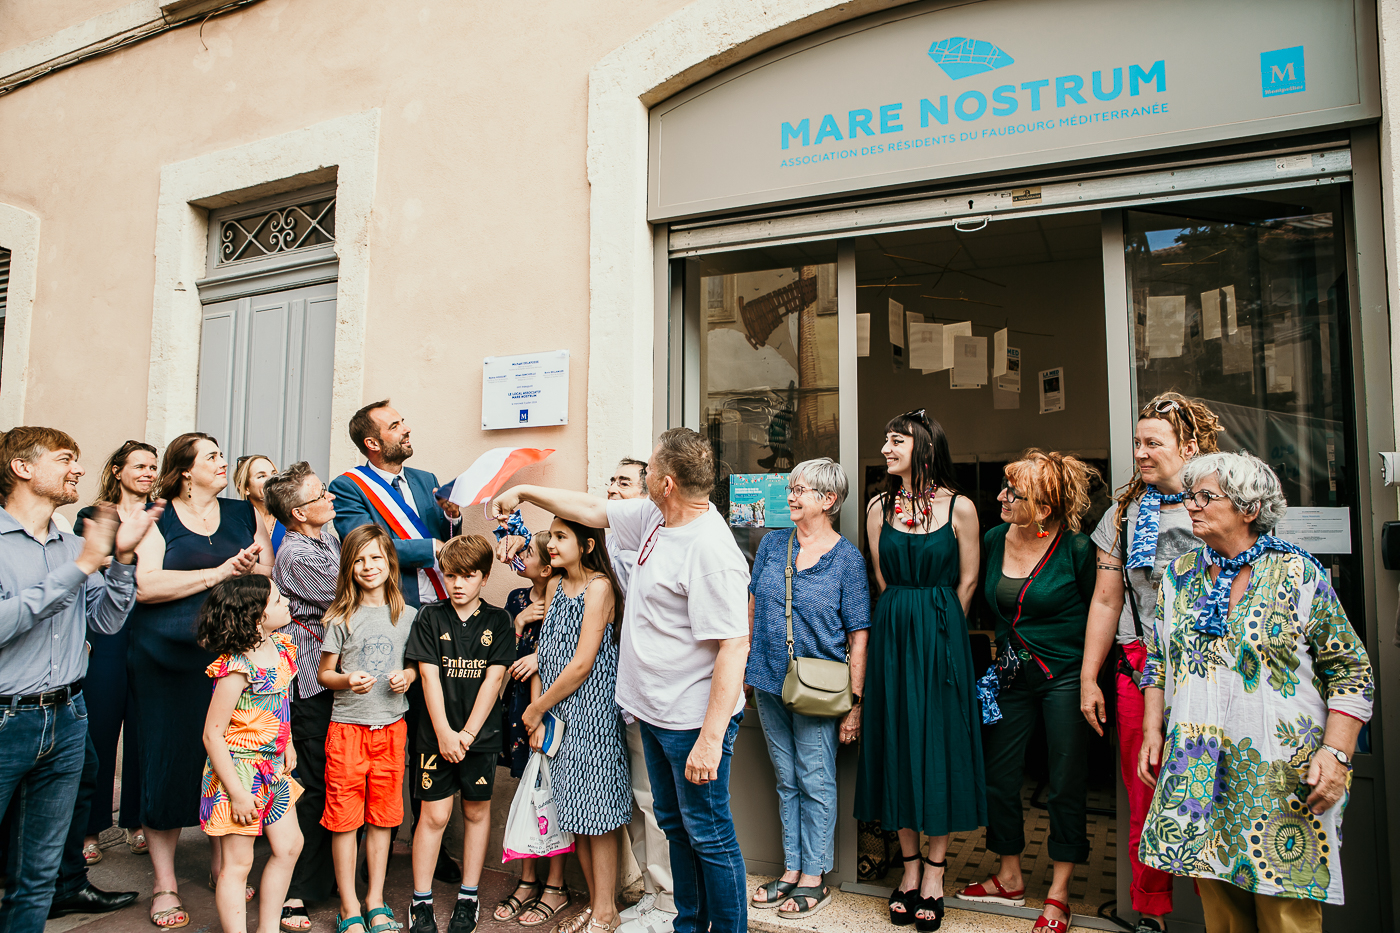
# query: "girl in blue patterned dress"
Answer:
x=577 y=681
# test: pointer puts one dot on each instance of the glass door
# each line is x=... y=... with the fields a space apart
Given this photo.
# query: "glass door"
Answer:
x=1241 y=301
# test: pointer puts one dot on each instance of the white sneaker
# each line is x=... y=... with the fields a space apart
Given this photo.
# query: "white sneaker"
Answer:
x=653 y=921
x=647 y=902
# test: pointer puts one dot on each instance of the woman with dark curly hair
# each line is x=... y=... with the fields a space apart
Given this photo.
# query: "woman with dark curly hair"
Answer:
x=246 y=789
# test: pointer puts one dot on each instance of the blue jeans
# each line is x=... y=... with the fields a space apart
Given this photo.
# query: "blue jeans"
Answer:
x=803 y=749
x=707 y=867
x=41 y=762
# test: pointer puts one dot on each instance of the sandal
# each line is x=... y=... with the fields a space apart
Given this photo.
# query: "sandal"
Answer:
x=904 y=899
x=818 y=897
x=343 y=924
x=544 y=912
x=299 y=914
x=776 y=891
x=159 y=917
x=1054 y=926
x=137 y=842
x=390 y=925
x=577 y=922
x=599 y=927
x=932 y=905
x=91 y=854
x=981 y=894
x=248 y=892
x=514 y=906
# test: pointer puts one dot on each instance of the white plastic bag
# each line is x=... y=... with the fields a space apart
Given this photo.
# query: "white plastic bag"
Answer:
x=532 y=829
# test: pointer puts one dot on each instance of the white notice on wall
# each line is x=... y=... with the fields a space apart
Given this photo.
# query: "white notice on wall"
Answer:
x=528 y=390
x=896 y=323
x=1237 y=352
x=1278 y=367
x=1166 y=326
x=950 y=333
x=926 y=347
x=969 y=362
x=1010 y=381
x=1318 y=531
x=1227 y=298
x=999 y=353
x=1210 y=314
x=1052 y=390
x=863 y=334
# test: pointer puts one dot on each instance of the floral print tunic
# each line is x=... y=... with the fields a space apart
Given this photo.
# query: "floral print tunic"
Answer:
x=1245 y=712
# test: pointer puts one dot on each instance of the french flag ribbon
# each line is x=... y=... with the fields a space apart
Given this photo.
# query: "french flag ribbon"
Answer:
x=402 y=520
x=479 y=483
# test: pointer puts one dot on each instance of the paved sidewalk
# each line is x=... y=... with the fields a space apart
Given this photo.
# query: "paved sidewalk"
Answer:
x=120 y=870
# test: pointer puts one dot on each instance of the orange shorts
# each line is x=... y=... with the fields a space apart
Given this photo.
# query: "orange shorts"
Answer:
x=364 y=776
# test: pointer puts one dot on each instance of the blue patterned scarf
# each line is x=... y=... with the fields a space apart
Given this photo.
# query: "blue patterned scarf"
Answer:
x=1144 y=549
x=1211 y=619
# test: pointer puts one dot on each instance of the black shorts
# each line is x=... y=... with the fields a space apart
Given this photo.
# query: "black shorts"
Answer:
x=437 y=778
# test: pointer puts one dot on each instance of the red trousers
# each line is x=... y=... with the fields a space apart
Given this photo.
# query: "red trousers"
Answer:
x=1152 y=889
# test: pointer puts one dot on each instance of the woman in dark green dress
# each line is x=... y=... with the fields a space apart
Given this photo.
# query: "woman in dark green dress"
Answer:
x=921 y=754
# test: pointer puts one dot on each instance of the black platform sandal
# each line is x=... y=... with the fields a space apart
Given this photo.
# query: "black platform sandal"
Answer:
x=904 y=899
x=925 y=904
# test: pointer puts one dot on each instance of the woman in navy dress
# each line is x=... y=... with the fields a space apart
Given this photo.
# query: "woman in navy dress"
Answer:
x=200 y=541
x=126 y=482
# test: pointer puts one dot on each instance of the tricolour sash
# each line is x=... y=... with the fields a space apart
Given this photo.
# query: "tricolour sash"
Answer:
x=401 y=519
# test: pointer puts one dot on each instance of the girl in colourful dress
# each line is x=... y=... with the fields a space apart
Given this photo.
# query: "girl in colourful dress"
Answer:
x=247 y=788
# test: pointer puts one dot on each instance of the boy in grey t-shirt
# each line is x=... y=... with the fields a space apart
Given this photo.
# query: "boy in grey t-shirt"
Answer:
x=368 y=643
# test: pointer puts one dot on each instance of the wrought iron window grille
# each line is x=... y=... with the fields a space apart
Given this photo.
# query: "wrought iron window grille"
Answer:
x=279 y=230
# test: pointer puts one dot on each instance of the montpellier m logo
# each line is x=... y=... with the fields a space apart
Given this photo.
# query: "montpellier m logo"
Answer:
x=960 y=57
x=1281 y=71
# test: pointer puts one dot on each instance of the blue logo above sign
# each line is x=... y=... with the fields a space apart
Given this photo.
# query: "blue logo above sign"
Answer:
x=961 y=58
x=1281 y=71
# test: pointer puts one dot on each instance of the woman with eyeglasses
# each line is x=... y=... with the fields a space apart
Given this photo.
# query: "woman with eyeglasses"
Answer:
x=830 y=620
x=250 y=473
x=126 y=481
x=1150 y=517
x=920 y=767
x=1040 y=579
x=1268 y=687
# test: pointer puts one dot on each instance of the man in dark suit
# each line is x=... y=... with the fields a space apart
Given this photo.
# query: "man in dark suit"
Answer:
x=400 y=498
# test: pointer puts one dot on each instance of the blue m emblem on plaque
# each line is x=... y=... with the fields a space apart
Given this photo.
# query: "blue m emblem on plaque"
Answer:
x=524 y=414
x=1281 y=71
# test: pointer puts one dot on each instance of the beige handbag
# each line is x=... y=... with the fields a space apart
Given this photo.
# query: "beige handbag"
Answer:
x=813 y=686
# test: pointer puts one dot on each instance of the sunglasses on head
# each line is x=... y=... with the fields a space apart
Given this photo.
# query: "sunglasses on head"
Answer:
x=1162 y=406
x=920 y=416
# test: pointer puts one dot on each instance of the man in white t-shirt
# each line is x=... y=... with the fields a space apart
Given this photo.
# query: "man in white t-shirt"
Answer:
x=685 y=640
x=656 y=911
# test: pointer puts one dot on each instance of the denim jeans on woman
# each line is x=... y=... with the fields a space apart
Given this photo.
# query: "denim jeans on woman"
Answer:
x=803 y=749
x=707 y=867
x=41 y=762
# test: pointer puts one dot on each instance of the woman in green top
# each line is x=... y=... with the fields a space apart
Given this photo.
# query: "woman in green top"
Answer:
x=1040 y=580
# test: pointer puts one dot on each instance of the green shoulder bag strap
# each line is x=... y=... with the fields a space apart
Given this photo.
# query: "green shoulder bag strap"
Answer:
x=813 y=686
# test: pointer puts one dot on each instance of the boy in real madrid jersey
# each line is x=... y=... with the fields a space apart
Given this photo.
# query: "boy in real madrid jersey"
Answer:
x=463 y=647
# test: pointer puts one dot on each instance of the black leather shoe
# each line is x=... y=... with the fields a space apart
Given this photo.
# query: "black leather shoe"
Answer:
x=447 y=870
x=91 y=900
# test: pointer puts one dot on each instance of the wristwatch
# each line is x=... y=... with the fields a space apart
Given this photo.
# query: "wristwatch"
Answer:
x=855 y=699
x=1338 y=754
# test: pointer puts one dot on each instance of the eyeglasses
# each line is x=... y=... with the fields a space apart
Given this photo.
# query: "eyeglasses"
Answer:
x=1011 y=494
x=1202 y=497
x=1162 y=406
x=324 y=490
x=920 y=416
x=798 y=490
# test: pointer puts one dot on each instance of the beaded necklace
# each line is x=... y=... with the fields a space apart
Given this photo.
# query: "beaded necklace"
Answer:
x=917 y=504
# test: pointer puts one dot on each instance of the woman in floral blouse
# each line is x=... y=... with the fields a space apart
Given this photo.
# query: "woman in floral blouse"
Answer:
x=1263 y=686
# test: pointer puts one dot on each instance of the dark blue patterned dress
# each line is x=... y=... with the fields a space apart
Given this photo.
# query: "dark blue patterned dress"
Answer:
x=515 y=746
x=590 y=778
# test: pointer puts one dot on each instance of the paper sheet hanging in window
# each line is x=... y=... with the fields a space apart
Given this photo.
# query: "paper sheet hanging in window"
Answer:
x=1010 y=381
x=999 y=352
x=1166 y=326
x=863 y=334
x=896 y=323
x=969 y=362
x=1052 y=390
x=926 y=347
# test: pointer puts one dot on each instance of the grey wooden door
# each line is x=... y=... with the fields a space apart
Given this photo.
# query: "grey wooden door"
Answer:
x=266 y=367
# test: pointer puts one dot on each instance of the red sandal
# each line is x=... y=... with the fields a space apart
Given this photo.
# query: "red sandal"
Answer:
x=979 y=892
x=1054 y=926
